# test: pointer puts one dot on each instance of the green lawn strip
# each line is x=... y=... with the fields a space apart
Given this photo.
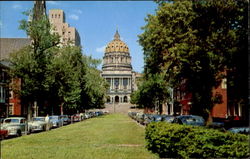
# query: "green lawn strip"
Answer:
x=111 y=136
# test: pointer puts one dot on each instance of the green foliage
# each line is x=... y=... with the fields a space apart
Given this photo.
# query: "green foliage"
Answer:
x=151 y=92
x=197 y=41
x=181 y=141
x=68 y=78
x=64 y=75
x=96 y=88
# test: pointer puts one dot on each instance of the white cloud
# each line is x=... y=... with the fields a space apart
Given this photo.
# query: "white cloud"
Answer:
x=52 y=2
x=78 y=11
x=16 y=6
x=100 y=49
x=73 y=16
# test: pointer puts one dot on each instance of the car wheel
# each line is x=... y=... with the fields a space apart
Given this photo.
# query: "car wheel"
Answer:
x=19 y=133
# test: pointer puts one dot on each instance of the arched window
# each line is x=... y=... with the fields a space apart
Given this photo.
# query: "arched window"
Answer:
x=117 y=99
x=125 y=99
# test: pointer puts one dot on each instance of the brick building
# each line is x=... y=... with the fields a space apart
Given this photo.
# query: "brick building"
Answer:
x=12 y=106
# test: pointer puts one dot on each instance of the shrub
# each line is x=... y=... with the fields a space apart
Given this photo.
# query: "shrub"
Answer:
x=181 y=141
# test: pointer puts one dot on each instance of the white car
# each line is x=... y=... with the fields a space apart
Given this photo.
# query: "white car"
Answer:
x=39 y=124
x=16 y=126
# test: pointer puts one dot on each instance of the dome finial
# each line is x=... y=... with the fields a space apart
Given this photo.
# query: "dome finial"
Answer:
x=117 y=36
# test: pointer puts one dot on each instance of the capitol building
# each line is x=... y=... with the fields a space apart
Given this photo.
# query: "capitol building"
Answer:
x=118 y=72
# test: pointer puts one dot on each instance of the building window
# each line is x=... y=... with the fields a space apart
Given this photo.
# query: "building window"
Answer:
x=55 y=16
x=69 y=32
x=11 y=109
x=125 y=99
x=116 y=83
x=125 y=82
x=58 y=15
x=52 y=15
x=224 y=83
x=2 y=94
x=11 y=94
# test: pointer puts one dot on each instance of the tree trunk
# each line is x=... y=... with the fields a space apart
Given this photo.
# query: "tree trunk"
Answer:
x=61 y=107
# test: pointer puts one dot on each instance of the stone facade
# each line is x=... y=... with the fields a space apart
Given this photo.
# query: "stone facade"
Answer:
x=69 y=35
x=117 y=70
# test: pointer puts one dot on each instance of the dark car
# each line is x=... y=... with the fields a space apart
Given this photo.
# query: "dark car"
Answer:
x=157 y=118
x=240 y=130
x=148 y=118
x=66 y=119
x=167 y=118
x=189 y=120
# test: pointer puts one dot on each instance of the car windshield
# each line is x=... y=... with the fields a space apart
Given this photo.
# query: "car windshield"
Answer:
x=170 y=119
x=53 y=117
x=38 y=119
x=7 y=121
x=157 y=118
x=193 y=120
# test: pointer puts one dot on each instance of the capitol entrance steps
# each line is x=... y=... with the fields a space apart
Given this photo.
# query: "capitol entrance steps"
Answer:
x=119 y=107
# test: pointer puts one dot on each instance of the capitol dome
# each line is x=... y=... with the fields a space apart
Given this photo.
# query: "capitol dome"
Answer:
x=117 y=55
x=116 y=45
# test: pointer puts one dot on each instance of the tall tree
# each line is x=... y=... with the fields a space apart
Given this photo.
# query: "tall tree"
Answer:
x=30 y=63
x=195 y=41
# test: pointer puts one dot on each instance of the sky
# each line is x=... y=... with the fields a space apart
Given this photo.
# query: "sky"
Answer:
x=96 y=22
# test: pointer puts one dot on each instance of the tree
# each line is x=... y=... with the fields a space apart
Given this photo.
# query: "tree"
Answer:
x=65 y=77
x=30 y=63
x=56 y=76
x=151 y=93
x=95 y=87
x=194 y=41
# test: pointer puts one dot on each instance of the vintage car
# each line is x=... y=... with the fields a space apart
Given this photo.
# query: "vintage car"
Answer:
x=39 y=124
x=66 y=119
x=16 y=126
x=194 y=120
x=167 y=118
x=3 y=133
x=56 y=121
x=240 y=130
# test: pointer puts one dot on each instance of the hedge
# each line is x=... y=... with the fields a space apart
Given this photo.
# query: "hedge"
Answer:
x=182 y=141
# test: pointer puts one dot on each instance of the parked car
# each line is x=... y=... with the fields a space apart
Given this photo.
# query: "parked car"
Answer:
x=157 y=117
x=167 y=118
x=1 y=120
x=66 y=119
x=3 y=133
x=76 y=117
x=16 y=126
x=148 y=118
x=189 y=120
x=240 y=130
x=139 y=117
x=56 y=121
x=39 y=124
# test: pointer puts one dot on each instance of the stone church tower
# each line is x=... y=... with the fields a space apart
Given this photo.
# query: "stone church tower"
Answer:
x=117 y=70
x=39 y=9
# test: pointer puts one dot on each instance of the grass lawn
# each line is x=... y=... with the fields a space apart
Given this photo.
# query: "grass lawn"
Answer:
x=113 y=136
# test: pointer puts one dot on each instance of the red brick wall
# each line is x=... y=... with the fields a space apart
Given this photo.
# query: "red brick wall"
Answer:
x=220 y=110
x=16 y=101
